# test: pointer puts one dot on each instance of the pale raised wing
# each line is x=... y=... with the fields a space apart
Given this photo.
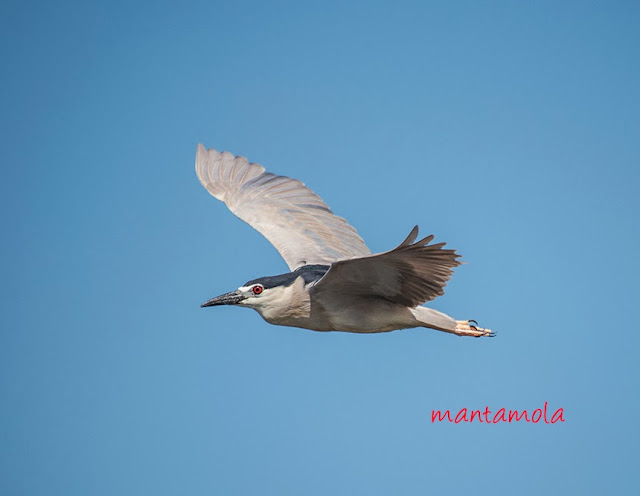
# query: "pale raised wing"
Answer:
x=292 y=217
x=410 y=275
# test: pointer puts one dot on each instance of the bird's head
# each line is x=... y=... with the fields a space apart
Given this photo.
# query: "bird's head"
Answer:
x=279 y=299
x=272 y=297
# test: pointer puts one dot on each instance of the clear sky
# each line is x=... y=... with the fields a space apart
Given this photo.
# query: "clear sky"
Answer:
x=510 y=130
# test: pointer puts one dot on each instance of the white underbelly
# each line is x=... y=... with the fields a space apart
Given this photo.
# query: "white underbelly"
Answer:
x=366 y=318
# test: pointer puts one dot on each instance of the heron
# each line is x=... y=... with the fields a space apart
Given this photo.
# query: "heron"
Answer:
x=335 y=283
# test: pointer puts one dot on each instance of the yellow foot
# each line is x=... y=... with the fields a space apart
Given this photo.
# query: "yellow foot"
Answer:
x=470 y=328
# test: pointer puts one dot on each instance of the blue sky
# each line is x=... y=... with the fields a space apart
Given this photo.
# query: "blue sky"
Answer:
x=508 y=130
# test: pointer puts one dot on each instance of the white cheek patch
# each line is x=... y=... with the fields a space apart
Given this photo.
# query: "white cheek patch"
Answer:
x=247 y=293
x=250 y=297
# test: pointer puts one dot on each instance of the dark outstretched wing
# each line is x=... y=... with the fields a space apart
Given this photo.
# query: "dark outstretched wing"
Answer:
x=410 y=275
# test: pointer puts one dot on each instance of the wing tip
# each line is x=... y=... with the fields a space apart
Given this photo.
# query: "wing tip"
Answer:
x=203 y=158
x=409 y=239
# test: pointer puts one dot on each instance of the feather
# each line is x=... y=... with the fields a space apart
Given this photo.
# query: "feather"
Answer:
x=295 y=220
x=409 y=275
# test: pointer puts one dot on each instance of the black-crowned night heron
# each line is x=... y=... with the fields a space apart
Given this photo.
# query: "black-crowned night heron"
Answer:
x=335 y=283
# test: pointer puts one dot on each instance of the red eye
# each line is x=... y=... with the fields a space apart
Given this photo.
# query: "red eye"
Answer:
x=256 y=290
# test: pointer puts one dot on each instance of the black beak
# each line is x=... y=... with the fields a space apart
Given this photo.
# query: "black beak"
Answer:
x=232 y=298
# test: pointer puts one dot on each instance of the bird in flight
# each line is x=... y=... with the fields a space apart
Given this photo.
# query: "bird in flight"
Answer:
x=335 y=283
